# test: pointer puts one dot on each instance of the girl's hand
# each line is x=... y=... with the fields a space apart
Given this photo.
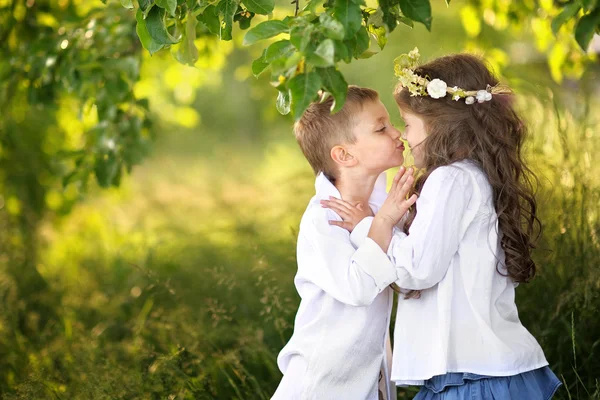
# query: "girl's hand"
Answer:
x=351 y=214
x=396 y=204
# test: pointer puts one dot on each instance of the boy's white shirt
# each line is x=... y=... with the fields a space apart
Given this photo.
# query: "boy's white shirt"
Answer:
x=342 y=325
x=466 y=319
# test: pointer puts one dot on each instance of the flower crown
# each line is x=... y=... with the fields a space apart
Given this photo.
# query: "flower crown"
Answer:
x=417 y=85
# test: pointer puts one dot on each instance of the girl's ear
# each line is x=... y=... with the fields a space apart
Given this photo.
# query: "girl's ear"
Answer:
x=342 y=157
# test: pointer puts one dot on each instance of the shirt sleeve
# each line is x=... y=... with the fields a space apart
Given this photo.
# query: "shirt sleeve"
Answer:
x=331 y=263
x=361 y=230
x=422 y=257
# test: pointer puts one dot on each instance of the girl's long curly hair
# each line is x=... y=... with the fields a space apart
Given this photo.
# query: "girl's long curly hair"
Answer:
x=492 y=135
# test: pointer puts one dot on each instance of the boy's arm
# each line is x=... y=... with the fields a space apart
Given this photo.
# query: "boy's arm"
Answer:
x=422 y=258
x=330 y=261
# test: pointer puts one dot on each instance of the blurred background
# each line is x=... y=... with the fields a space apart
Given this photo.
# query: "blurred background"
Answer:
x=178 y=283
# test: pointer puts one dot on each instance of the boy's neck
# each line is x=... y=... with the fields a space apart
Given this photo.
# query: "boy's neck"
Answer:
x=355 y=187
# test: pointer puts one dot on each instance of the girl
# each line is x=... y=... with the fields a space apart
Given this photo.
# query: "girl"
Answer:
x=466 y=244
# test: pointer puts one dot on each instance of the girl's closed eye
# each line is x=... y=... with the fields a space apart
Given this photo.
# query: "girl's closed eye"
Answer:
x=381 y=129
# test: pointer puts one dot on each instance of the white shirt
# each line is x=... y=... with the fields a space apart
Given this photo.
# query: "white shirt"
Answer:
x=466 y=319
x=341 y=329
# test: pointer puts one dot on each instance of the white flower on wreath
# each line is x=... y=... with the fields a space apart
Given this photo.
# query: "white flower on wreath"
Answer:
x=437 y=88
x=483 y=95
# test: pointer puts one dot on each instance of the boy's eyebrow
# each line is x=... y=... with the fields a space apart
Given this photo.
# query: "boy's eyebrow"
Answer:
x=378 y=121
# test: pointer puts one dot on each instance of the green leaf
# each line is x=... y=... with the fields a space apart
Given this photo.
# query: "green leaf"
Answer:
x=186 y=51
x=142 y=32
x=227 y=8
x=406 y=21
x=127 y=4
x=587 y=4
x=375 y=17
x=260 y=64
x=350 y=15
x=360 y=43
x=587 y=25
x=389 y=13
x=379 y=34
x=417 y=10
x=280 y=49
x=264 y=30
x=342 y=52
x=106 y=169
x=334 y=83
x=286 y=67
x=156 y=25
x=145 y=5
x=169 y=5
x=324 y=54
x=332 y=28
x=303 y=89
x=245 y=23
x=300 y=35
x=312 y=5
x=210 y=18
x=283 y=102
x=263 y=7
x=567 y=13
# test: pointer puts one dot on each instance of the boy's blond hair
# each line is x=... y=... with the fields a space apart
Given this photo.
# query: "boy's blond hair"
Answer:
x=318 y=131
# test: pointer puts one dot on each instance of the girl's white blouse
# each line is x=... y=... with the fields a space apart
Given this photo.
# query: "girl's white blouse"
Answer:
x=466 y=319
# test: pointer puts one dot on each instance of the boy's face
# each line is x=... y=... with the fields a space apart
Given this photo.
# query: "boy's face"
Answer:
x=378 y=146
x=415 y=134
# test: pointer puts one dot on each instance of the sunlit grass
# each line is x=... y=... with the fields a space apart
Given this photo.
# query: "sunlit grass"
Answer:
x=180 y=283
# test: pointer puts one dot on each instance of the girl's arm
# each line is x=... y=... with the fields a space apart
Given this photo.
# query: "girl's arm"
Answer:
x=422 y=258
x=327 y=258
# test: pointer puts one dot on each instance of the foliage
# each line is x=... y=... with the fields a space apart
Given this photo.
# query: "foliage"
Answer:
x=313 y=40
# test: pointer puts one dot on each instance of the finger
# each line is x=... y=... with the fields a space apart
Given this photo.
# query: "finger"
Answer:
x=406 y=175
x=341 y=203
x=397 y=178
x=405 y=205
x=341 y=224
x=342 y=212
x=406 y=187
x=412 y=200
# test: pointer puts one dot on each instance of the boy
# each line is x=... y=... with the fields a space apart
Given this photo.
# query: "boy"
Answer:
x=340 y=346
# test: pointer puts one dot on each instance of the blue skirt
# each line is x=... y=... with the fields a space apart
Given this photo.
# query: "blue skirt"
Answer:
x=539 y=384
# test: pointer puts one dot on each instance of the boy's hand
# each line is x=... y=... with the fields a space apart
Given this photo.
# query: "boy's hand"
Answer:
x=396 y=204
x=351 y=214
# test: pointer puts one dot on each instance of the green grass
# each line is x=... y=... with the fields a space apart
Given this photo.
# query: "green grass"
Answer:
x=180 y=284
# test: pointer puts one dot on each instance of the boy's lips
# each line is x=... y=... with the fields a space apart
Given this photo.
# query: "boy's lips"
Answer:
x=400 y=146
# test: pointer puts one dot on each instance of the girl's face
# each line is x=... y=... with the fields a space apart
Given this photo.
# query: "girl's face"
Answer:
x=415 y=134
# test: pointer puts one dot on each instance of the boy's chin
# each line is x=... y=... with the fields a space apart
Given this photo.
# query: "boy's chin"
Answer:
x=396 y=163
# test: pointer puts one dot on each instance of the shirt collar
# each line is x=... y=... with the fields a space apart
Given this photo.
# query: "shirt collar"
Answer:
x=324 y=188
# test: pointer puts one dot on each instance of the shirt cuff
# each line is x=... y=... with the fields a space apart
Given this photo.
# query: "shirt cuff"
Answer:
x=397 y=237
x=374 y=262
x=360 y=232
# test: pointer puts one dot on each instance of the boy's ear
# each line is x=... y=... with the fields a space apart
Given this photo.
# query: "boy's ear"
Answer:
x=342 y=157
